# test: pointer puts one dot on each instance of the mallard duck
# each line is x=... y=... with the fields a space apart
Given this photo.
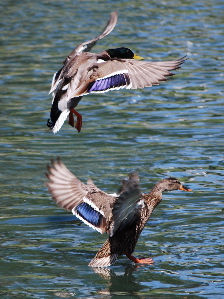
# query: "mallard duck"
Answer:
x=123 y=215
x=84 y=73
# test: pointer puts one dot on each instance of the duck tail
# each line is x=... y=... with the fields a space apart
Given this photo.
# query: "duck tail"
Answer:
x=104 y=257
x=62 y=116
x=57 y=117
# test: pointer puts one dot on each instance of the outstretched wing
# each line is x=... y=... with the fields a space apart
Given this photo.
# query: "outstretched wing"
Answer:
x=131 y=74
x=128 y=205
x=87 y=202
x=66 y=189
x=86 y=46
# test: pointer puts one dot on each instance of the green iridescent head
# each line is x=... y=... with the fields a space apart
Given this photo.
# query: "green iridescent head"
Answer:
x=123 y=53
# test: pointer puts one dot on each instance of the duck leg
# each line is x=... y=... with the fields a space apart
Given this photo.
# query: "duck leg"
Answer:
x=148 y=260
x=71 y=119
x=78 y=125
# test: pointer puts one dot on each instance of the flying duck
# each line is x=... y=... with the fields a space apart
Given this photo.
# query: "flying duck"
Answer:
x=122 y=216
x=84 y=73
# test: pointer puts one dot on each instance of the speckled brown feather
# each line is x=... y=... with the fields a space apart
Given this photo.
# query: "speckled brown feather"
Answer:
x=123 y=216
x=124 y=242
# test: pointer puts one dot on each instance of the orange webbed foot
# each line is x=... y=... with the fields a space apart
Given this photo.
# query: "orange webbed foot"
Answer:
x=147 y=260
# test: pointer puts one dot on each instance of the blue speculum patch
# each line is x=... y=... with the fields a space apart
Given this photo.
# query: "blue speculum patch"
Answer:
x=89 y=214
x=117 y=80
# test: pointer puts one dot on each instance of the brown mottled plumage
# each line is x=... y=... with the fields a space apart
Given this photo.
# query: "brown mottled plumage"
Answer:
x=84 y=73
x=122 y=216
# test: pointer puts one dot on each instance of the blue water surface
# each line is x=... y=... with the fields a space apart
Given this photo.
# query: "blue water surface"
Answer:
x=174 y=129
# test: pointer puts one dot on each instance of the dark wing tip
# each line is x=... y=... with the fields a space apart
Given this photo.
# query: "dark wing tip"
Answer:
x=182 y=60
x=52 y=164
x=134 y=176
x=86 y=46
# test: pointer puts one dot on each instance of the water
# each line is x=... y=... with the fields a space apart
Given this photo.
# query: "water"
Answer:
x=175 y=129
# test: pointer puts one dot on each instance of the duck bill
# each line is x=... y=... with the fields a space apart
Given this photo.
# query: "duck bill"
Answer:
x=138 y=57
x=183 y=188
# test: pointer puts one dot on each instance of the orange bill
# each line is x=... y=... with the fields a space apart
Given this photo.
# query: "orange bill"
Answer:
x=182 y=187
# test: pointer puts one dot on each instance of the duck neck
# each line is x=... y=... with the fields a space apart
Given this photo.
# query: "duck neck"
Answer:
x=151 y=200
x=156 y=194
x=158 y=189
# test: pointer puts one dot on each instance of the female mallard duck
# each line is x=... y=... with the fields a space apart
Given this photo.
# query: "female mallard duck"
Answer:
x=85 y=72
x=122 y=216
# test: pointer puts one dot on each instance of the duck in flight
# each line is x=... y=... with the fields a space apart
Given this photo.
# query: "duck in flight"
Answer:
x=123 y=216
x=84 y=73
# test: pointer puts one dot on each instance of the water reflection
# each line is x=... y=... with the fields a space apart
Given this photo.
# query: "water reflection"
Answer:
x=127 y=284
x=124 y=284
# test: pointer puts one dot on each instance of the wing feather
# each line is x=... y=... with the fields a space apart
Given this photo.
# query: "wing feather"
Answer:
x=86 y=46
x=87 y=202
x=127 y=206
x=66 y=189
x=141 y=73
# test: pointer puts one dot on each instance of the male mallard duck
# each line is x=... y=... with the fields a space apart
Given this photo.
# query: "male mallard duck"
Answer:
x=85 y=72
x=122 y=216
